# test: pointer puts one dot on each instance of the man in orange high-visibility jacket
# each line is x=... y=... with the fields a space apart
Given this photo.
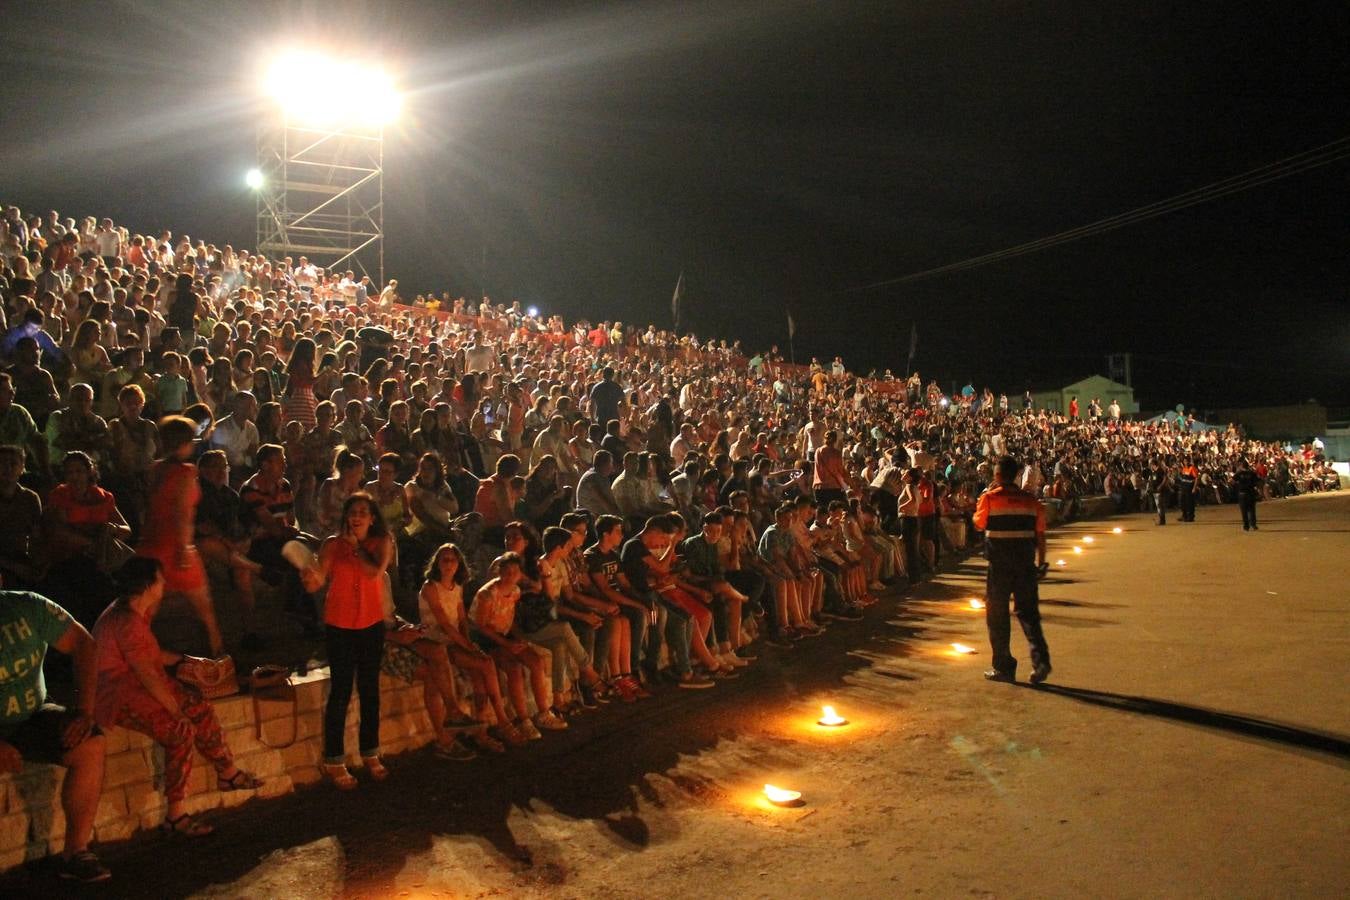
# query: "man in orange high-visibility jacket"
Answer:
x=1013 y=522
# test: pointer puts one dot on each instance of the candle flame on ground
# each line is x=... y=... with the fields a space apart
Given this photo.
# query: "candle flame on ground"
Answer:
x=781 y=795
x=1089 y=539
x=1117 y=530
x=962 y=648
x=1077 y=549
x=1060 y=562
x=830 y=717
x=976 y=603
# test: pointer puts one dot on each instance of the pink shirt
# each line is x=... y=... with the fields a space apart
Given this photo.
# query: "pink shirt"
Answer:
x=121 y=634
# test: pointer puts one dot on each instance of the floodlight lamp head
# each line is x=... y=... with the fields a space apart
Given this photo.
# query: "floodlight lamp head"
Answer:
x=324 y=92
x=254 y=179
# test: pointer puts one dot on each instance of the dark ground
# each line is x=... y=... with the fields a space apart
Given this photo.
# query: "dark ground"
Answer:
x=1195 y=741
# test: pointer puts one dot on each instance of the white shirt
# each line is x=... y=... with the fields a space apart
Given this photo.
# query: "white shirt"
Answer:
x=450 y=601
x=234 y=440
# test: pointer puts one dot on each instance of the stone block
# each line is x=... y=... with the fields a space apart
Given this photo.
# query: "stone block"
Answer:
x=301 y=755
x=116 y=740
x=202 y=778
x=282 y=731
x=264 y=763
x=233 y=711
x=13 y=831
x=276 y=787
x=116 y=830
x=202 y=802
x=126 y=767
x=142 y=798
x=274 y=709
x=305 y=775
x=47 y=823
x=112 y=806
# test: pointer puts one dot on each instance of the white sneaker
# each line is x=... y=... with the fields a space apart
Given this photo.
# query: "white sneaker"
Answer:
x=549 y=722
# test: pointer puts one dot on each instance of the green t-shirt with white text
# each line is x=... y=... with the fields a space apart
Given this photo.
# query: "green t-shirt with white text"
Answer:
x=29 y=623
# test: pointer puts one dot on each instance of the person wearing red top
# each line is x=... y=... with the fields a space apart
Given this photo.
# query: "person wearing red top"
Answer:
x=79 y=517
x=354 y=563
x=135 y=692
x=170 y=522
x=927 y=521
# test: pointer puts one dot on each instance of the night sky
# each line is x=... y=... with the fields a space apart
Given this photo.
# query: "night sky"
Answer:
x=777 y=154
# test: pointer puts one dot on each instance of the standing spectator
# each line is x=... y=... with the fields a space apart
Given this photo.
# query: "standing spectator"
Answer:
x=170 y=523
x=354 y=563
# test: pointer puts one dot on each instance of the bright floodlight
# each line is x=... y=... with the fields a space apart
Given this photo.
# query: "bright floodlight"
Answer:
x=318 y=90
x=253 y=178
x=532 y=312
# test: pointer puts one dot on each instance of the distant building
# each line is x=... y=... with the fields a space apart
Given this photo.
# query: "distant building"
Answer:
x=1099 y=386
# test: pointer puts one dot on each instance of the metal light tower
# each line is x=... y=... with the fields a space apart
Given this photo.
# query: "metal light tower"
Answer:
x=321 y=164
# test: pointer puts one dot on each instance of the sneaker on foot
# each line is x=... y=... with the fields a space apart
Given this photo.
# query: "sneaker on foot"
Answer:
x=695 y=682
x=549 y=722
x=527 y=728
x=83 y=867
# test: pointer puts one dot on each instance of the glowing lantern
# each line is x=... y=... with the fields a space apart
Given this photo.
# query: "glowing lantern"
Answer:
x=976 y=603
x=781 y=796
x=830 y=718
x=962 y=648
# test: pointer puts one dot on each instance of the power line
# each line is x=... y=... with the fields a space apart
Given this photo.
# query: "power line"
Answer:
x=1293 y=165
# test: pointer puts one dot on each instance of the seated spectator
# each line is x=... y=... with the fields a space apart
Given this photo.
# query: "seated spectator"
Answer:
x=81 y=520
x=445 y=621
x=135 y=691
x=492 y=616
x=237 y=435
x=347 y=477
x=20 y=524
x=134 y=445
x=703 y=569
x=223 y=537
x=35 y=730
x=76 y=427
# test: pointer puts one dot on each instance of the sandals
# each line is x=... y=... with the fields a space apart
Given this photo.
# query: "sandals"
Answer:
x=239 y=781
x=375 y=767
x=338 y=774
x=186 y=826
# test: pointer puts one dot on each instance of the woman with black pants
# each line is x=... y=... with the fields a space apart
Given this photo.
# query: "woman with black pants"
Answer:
x=353 y=563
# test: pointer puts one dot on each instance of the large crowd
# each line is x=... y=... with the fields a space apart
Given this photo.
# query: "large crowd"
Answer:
x=561 y=516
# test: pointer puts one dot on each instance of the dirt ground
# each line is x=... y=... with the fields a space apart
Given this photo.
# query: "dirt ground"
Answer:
x=1194 y=741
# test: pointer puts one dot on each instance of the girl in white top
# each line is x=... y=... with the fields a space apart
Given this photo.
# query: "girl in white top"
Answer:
x=441 y=607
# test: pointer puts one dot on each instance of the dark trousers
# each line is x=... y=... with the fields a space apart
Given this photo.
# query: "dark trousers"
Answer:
x=353 y=655
x=637 y=631
x=909 y=533
x=1187 y=505
x=1004 y=581
x=1247 y=503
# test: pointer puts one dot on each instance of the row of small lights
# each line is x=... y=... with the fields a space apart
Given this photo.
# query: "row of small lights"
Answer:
x=829 y=718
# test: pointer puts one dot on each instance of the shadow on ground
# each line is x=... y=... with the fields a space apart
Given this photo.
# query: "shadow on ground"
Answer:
x=1292 y=737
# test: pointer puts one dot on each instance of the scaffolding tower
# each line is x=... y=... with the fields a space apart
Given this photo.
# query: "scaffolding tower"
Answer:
x=322 y=195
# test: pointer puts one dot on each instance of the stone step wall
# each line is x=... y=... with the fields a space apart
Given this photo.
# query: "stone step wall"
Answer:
x=32 y=824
